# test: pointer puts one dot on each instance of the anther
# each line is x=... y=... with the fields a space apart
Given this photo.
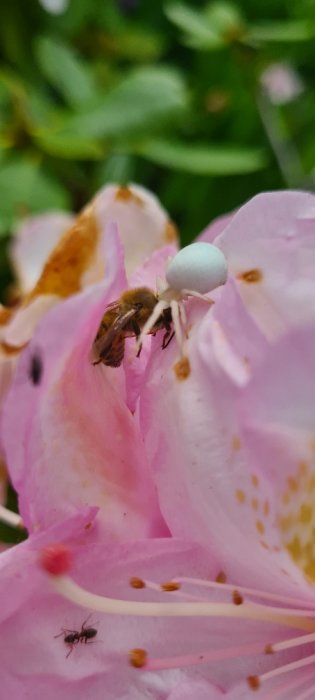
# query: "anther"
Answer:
x=253 y=682
x=138 y=658
x=170 y=586
x=221 y=577
x=56 y=559
x=136 y=582
x=237 y=598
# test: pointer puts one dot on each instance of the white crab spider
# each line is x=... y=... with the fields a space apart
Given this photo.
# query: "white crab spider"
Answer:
x=195 y=271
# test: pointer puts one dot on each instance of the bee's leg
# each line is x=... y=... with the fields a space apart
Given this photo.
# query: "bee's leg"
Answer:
x=167 y=337
x=137 y=332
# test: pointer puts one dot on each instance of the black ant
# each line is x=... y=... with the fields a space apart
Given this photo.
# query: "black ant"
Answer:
x=73 y=637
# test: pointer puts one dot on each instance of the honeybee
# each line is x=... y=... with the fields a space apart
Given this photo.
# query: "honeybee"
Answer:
x=125 y=318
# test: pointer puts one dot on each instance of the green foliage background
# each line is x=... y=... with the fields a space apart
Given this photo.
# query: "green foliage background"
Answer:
x=164 y=94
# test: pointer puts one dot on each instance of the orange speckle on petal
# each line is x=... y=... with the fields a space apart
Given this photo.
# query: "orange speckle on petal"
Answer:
x=170 y=233
x=182 y=368
x=6 y=314
x=260 y=527
x=293 y=484
x=285 y=498
x=236 y=443
x=240 y=495
x=255 y=480
x=251 y=276
x=266 y=508
x=125 y=194
x=64 y=269
x=303 y=469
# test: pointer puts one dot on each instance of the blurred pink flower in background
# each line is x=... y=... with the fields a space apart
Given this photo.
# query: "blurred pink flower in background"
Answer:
x=201 y=466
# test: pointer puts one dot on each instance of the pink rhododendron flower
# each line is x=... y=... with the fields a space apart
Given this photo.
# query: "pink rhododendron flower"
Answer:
x=73 y=257
x=215 y=460
x=98 y=456
x=36 y=619
x=56 y=255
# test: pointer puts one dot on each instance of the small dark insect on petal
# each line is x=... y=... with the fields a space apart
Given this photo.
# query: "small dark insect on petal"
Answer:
x=36 y=368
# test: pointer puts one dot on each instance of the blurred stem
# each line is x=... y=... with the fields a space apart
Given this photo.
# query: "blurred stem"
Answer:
x=283 y=146
x=273 y=121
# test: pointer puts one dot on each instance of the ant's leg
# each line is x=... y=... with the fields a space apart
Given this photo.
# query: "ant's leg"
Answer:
x=85 y=621
x=70 y=652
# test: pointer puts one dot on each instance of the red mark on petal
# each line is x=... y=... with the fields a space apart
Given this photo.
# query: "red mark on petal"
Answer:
x=56 y=559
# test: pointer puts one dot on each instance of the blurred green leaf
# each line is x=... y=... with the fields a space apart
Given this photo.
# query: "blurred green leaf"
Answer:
x=65 y=71
x=146 y=98
x=134 y=44
x=203 y=159
x=216 y=25
x=198 y=33
x=286 y=31
x=68 y=145
x=26 y=188
x=224 y=17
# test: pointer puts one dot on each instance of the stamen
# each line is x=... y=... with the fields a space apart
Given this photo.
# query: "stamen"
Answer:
x=293 y=666
x=138 y=658
x=281 y=691
x=221 y=579
x=202 y=657
x=78 y=595
x=10 y=518
x=294 y=642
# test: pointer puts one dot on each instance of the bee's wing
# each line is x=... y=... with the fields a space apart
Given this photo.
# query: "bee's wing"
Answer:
x=112 y=342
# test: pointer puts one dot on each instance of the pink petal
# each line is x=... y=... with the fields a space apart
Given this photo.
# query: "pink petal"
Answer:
x=196 y=690
x=34 y=241
x=143 y=223
x=209 y=489
x=78 y=442
x=266 y=253
x=215 y=228
x=33 y=615
x=277 y=410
